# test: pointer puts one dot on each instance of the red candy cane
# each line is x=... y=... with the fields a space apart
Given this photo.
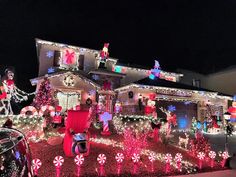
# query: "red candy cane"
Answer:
x=101 y=159
x=201 y=156
x=119 y=157
x=225 y=156
x=36 y=165
x=58 y=161
x=79 y=159
x=152 y=158
x=168 y=159
x=178 y=159
x=212 y=156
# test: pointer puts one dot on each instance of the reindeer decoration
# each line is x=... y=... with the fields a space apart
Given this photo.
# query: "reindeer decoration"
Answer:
x=171 y=120
x=184 y=140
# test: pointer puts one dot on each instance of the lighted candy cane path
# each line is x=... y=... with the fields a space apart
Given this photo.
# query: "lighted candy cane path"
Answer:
x=186 y=165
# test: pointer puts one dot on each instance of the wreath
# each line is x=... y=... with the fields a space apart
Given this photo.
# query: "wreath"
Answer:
x=69 y=81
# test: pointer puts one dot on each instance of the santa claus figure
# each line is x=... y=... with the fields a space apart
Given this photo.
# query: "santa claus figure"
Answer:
x=57 y=117
x=118 y=107
x=232 y=111
x=104 y=54
x=150 y=107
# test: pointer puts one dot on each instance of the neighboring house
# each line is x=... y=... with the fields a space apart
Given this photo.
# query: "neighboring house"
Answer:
x=80 y=76
x=223 y=81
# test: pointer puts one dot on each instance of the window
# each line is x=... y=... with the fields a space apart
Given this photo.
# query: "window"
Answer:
x=196 y=83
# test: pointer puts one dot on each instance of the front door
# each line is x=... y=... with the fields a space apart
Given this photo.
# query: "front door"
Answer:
x=68 y=100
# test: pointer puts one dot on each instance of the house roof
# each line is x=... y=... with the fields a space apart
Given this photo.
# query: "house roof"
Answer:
x=175 y=85
x=107 y=72
x=80 y=74
x=61 y=45
x=134 y=66
x=168 y=84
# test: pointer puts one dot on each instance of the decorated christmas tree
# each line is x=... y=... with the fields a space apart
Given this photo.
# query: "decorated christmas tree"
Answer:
x=44 y=95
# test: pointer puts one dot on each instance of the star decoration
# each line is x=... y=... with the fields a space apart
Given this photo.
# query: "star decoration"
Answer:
x=51 y=70
x=50 y=54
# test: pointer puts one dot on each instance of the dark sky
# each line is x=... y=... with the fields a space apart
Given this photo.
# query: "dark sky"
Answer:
x=192 y=34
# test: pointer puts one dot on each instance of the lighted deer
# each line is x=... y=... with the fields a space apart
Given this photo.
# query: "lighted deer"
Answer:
x=167 y=126
x=184 y=140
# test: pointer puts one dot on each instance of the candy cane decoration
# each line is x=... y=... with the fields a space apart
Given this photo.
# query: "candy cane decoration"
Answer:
x=135 y=159
x=79 y=159
x=168 y=159
x=212 y=156
x=101 y=160
x=225 y=156
x=178 y=159
x=119 y=158
x=201 y=156
x=36 y=165
x=58 y=161
x=152 y=158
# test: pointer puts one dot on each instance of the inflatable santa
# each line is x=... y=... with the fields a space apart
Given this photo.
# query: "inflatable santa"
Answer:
x=232 y=111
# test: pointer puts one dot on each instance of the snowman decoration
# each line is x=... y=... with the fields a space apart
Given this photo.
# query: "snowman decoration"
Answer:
x=118 y=107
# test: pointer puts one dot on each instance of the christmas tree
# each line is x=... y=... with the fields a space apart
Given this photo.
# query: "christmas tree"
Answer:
x=44 y=95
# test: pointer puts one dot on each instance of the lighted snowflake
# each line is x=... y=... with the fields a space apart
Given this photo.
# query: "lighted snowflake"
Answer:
x=171 y=108
x=95 y=77
x=17 y=155
x=92 y=92
x=50 y=54
x=51 y=70
x=187 y=102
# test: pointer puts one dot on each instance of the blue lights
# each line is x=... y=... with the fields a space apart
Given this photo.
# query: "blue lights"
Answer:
x=151 y=76
x=171 y=108
x=118 y=69
x=51 y=70
x=50 y=54
x=183 y=122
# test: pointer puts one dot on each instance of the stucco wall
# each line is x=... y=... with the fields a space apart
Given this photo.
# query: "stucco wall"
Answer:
x=224 y=82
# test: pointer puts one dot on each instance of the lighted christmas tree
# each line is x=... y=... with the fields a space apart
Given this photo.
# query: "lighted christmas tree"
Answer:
x=44 y=95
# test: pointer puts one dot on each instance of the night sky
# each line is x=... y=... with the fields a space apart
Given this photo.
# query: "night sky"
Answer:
x=198 y=35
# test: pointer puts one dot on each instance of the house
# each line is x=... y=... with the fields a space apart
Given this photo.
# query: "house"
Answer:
x=84 y=76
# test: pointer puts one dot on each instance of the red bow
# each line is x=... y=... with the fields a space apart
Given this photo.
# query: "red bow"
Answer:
x=69 y=57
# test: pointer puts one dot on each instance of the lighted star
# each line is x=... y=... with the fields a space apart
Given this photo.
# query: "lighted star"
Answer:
x=51 y=70
x=50 y=54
